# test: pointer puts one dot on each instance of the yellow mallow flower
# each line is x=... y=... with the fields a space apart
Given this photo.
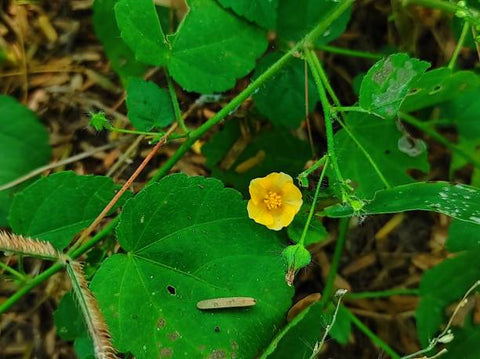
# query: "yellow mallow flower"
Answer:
x=275 y=200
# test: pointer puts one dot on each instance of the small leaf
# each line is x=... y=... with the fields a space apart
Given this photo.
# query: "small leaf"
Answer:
x=457 y=201
x=297 y=18
x=439 y=85
x=121 y=57
x=24 y=146
x=149 y=106
x=188 y=240
x=386 y=84
x=262 y=12
x=99 y=122
x=282 y=98
x=141 y=30
x=463 y=236
x=440 y=286
x=208 y=56
x=380 y=140
x=269 y=151
x=57 y=207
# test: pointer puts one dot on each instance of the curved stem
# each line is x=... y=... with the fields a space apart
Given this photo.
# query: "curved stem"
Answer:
x=176 y=105
x=350 y=53
x=459 y=46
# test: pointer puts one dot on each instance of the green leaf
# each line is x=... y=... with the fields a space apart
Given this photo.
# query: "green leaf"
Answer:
x=208 y=56
x=269 y=151
x=99 y=121
x=262 y=12
x=380 y=139
x=305 y=330
x=121 y=57
x=439 y=85
x=296 y=18
x=68 y=319
x=189 y=239
x=463 y=112
x=440 y=286
x=141 y=30
x=57 y=207
x=316 y=231
x=463 y=236
x=457 y=201
x=83 y=347
x=149 y=106
x=386 y=84
x=24 y=146
x=282 y=98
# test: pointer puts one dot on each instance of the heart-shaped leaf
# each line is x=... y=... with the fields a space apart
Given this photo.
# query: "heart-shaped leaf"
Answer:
x=57 y=207
x=188 y=240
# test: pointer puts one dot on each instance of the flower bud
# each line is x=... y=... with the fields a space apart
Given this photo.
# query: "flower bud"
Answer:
x=297 y=257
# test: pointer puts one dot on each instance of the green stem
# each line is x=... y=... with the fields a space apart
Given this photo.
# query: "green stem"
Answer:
x=312 y=208
x=337 y=254
x=242 y=96
x=351 y=53
x=372 y=336
x=310 y=57
x=39 y=279
x=303 y=177
x=143 y=133
x=425 y=127
x=447 y=6
x=22 y=277
x=382 y=293
x=176 y=105
x=459 y=46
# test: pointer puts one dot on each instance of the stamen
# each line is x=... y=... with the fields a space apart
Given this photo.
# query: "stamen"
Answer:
x=272 y=200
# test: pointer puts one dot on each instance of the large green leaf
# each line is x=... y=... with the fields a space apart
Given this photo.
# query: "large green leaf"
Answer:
x=457 y=201
x=465 y=342
x=57 y=207
x=263 y=12
x=438 y=85
x=463 y=236
x=386 y=84
x=296 y=18
x=380 y=139
x=141 y=30
x=208 y=56
x=187 y=240
x=24 y=146
x=275 y=151
x=440 y=286
x=148 y=105
x=282 y=98
x=121 y=57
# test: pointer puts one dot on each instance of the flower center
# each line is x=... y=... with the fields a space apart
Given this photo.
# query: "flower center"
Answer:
x=272 y=200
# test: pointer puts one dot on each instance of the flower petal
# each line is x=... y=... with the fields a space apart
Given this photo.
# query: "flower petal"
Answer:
x=259 y=213
x=292 y=196
x=257 y=190
x=282 y=217
x=277 y=180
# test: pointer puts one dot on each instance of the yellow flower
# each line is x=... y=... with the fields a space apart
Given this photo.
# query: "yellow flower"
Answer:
x=275 y=200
